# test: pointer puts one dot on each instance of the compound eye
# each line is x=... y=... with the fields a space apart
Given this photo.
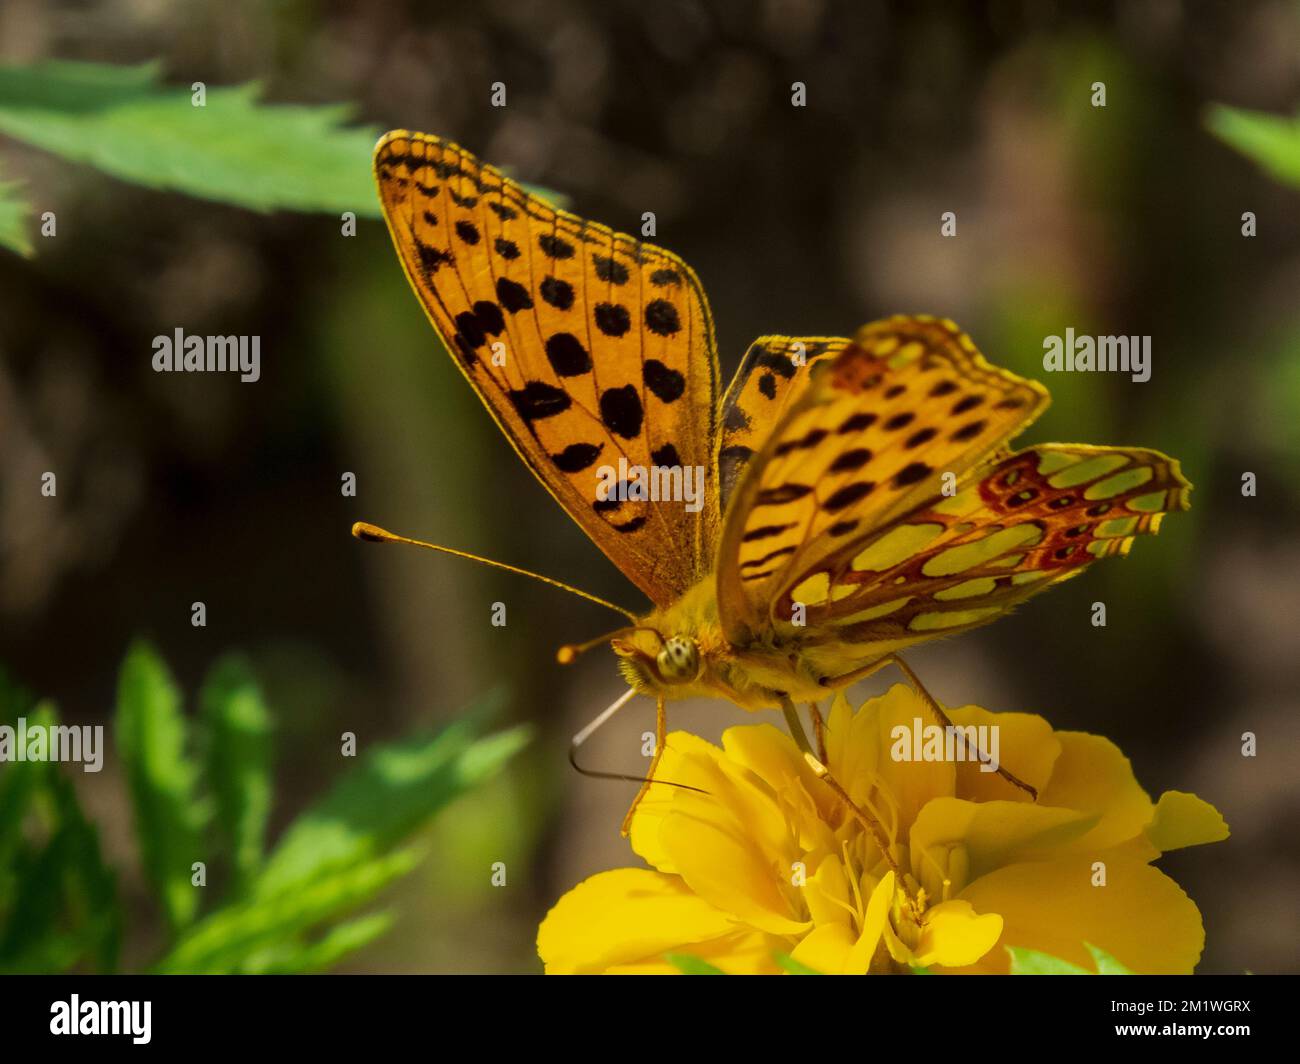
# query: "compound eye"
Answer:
x=679 y=660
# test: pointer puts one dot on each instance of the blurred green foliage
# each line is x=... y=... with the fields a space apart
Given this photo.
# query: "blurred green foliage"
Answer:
x=1273 y=142
x=201 y=793
x=14 y=211
x=1034 y=962
x=230 y=147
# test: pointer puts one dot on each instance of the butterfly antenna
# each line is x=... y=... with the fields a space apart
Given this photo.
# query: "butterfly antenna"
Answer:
x=568 y=653
x=374 y=534
x=592 y=728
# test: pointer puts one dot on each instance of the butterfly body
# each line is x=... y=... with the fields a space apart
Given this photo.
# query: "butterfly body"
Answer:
x=859 y=494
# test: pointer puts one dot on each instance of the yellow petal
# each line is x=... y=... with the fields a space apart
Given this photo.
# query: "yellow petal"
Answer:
x=1093 y=775
x=824 y=949
x=859 y=959
x=954 y=935
x=740 y=953
x=718 y=856
x=774 y=759
x=625 y=916
x=1141 y=917
x=866 y=760
x=1027 y=748
x=1183 y=819
x=826 y=893
x=988 y=835
x=687 y=759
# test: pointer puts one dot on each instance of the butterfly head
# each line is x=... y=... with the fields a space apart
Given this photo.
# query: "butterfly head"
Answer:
x=652 y=662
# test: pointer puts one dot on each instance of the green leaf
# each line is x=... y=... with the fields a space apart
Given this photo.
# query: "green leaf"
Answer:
x=390 y=793
x=58 y=899
x=792 y=966
x=21 y=782
x=243 y=937
x=1032 y=962
x=337 y=855
x=238 y=730
x=1271 y=141
x=328 y=950
x=688 y=965
x=14 y=213
x=1106 y=964
x=151 y=740
x=233 y=149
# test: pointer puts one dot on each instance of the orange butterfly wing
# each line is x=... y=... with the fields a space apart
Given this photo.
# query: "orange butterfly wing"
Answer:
x=865 y=442
x=586 y=345
x=843 y=510
x=773 y=371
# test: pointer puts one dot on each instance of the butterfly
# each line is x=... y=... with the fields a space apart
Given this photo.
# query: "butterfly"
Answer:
x=853 y=497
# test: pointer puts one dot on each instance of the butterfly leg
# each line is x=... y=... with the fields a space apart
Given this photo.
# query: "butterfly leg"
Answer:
x=661 y=737
x=795 y=725
x=819 y=731
x=874 y=828
x=931 y=703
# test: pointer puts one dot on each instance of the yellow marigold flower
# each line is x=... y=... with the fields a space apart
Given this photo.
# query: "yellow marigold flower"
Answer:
x=769 y=859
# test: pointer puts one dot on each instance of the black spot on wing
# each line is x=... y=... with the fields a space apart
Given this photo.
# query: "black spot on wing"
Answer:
x=661 y=318
x=567 y=355
x=667 y=384
x=736 y=419
x=431 y=258
x=856 y=423
x=557 y=293
x=620 y=410
x=576 y=457
x=467 y=231
x=783 y=494
x=470 y=329
x=812 y=439
x=537 y=400
x=848 y=495
x=555 y=247
x=610 y=269
x=765 y=532
x=665 y=456
x=507 y=249
x=612 y=319
x=911 y=474
x=489 y=316
x=514 y=296
x=848 y=461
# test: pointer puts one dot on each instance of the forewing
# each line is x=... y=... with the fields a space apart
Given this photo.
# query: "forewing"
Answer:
x=868 y=440
x=772 y=373
x=1019 y=526
x=586 y=345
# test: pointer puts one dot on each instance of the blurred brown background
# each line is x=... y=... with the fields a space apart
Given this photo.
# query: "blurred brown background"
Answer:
x=1123 y=220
